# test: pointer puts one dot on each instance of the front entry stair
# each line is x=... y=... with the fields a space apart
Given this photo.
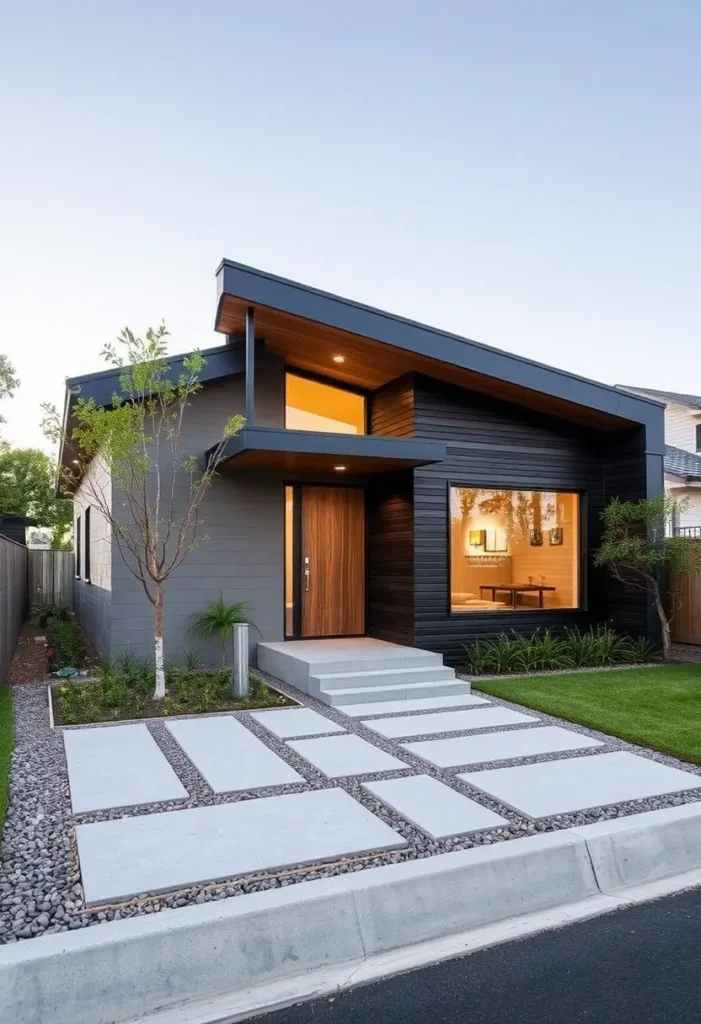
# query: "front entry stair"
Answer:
x=359 y=671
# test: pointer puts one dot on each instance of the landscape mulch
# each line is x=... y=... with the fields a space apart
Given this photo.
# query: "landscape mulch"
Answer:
x=29 y=664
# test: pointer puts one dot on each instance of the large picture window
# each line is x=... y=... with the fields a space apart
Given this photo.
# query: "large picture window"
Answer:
x=513 y=550
x=312 y=405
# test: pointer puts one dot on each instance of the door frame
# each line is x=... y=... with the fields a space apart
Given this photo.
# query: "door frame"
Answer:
x=296 y=486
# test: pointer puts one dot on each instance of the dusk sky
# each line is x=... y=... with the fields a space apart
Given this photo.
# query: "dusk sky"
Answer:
x=526 y=174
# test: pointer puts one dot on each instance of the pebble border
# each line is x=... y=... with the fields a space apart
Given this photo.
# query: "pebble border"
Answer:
x=40 y=889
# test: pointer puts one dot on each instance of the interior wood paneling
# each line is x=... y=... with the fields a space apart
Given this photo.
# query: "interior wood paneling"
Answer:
x=333 y=539
x=370 y=364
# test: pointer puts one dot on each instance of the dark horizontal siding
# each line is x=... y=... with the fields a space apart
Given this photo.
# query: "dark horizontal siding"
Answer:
x=391 y=558
x=392 y=408
x=495 y=444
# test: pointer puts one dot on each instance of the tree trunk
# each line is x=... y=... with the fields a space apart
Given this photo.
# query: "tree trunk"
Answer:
x=160 y=691
x=665 y=624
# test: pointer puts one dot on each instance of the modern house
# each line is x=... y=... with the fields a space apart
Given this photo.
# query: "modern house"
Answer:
x=393 y=481
x=682 y=454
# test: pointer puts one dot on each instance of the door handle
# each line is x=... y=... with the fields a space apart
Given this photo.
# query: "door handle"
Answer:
x=306 y=574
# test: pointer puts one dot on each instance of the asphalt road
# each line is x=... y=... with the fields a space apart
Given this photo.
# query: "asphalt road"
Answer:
x=636 y=966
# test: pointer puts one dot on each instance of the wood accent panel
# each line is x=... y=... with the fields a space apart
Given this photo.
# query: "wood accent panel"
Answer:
x=684 y=604
x=371 y=364
x=390 y=503
x=333 y=539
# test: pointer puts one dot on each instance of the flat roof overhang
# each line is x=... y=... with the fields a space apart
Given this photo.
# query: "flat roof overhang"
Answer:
x=303 y=451
x=308 y=327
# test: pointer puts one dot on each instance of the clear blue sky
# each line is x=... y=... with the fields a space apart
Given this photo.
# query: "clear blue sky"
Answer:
x=525 y=173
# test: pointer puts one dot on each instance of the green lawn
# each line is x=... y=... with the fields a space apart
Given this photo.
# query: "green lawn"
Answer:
x=655 y=707
x=6 y=739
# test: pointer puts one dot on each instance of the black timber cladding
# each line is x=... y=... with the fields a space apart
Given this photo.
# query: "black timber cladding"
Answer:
x=494 y=444
x=390 y=522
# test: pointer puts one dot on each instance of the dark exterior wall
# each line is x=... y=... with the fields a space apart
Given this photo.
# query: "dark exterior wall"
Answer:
x=92 y=601
x=13 y=530
x=629 y=476
x=496 y=444
x=390 y=519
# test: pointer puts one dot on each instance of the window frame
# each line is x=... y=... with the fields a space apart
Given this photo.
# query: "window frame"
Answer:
x=582 y=582
x=87 y=517
x=76 y=547
x=698 y=437
x=331 y=382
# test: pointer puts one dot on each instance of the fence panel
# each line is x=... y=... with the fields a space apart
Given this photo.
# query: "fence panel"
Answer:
x=50 y=577
x=684 y=604
x=13 y=599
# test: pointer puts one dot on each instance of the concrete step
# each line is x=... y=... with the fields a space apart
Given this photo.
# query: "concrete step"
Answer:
x=380 y=677
x=398 y=692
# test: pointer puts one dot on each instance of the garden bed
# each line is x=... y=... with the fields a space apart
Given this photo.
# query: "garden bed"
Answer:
x=118 y=696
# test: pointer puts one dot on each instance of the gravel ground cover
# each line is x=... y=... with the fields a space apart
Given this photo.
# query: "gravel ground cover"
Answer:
x=40 y=890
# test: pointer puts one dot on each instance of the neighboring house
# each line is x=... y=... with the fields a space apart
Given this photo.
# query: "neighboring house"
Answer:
x=682 y=459
x=15 y=527
x=392 y=480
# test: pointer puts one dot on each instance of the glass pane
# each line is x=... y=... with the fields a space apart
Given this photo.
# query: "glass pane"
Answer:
x=289 y=562
x=513 y=550
x=310 y=405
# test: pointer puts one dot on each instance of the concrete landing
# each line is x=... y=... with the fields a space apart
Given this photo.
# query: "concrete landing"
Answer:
x=359 y=670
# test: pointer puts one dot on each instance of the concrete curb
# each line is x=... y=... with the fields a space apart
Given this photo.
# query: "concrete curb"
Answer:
x=127 y=969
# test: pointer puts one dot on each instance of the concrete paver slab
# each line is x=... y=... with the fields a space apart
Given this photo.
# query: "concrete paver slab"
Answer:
x=337 y=756
x=391 y=707
x=449 y=721
x=580 y=783
x=117 y=766
x=433 y=807
x=286 y=723
x=157 y=852
x=500 y=746
x=228 y=756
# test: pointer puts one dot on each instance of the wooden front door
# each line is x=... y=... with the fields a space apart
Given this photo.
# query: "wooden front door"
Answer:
x=332 y=561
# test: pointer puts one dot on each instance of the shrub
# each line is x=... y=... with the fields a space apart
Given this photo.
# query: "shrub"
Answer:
x=65 y=644
x=544 y=652
x=44 y=611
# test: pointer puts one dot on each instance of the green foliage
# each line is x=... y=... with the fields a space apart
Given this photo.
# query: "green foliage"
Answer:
x=27 y=488
x=543 y=652
x=42 y=611
x=635 y=546
x=9 y=381
x=65 y=644
x=124 y=690
x=218 y=618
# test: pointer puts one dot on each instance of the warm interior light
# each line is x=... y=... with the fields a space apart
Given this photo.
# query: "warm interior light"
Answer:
x=339 y=359
x=339 y=469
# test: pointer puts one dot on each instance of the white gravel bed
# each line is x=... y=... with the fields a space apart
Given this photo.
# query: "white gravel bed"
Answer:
x=40 y=889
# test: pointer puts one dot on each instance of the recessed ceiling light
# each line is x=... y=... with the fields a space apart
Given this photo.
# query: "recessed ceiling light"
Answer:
x=339 y=359
x=339 y=469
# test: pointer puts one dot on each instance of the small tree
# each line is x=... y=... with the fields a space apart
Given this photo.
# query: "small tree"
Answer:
x=28 y=488
x=152 y=490
x=637 y=550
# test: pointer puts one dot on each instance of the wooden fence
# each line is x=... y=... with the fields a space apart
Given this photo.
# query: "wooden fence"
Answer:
x=684 y=603
x=50 y=577
x=13 y=599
